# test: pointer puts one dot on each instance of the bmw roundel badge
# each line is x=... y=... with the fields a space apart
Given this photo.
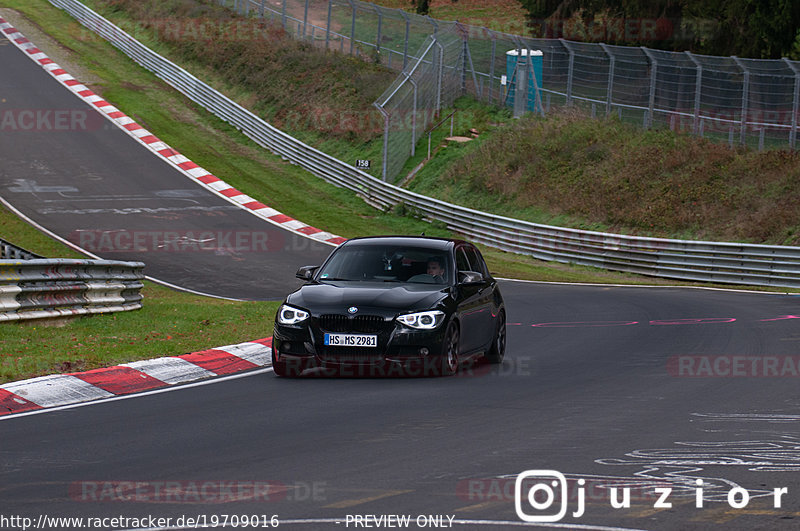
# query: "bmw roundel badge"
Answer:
x=352 y=309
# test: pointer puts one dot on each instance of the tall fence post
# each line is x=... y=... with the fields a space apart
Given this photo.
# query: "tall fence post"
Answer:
x=283 y=14
x=385 y=162
x=328 y=28
x=305 y=19
x=261 y=9
x=405 y=42
x=491 y=65
x=464 y=54
x=697 y=126
x=795 y=103
x=466 y=61
x=439 y=75
x=570 y=70
x=380 y=27
x=651 y=103
x=413 y=118
x=610 y=87
x=745 y=99
x=352 y=27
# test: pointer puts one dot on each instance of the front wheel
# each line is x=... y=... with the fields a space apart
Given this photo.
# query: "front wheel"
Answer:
x=449 y=359
x=498 y=349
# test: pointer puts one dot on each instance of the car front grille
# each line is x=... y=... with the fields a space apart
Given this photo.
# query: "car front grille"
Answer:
x=360 y=324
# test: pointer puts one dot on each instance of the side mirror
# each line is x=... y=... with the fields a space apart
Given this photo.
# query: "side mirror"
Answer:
x=306 y=272
x=469 y=277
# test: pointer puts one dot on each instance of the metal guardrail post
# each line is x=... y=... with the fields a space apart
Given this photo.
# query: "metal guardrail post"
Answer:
x=697 y=125
x=261 y=9
x=283 y=14
x=795 y=103
x=610 y=87
x=570 y=70
x=745 y=99
x=653 y=75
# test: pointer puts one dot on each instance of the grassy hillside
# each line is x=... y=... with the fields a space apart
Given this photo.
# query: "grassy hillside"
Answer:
x=603 y=174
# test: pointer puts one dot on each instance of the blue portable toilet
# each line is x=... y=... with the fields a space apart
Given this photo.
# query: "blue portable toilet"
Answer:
x=536 y=60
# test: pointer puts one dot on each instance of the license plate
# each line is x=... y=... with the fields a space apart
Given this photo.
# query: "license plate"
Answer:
x=351 y=340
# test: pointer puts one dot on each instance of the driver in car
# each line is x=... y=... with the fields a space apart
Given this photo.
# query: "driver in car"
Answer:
x=436 y=269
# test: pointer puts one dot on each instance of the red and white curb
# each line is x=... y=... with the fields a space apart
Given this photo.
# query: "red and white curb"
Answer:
x=65 y=389
x=159 y=148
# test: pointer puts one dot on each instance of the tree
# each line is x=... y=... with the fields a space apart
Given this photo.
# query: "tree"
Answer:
x=423 y=6
x=747 y=28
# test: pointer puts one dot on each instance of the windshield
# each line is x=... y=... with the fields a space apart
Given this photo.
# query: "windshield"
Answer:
x=415 y=265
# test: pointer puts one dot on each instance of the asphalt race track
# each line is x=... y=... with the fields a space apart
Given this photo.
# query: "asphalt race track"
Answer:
x=95 y=186
x=637 y=388
x=593 y=391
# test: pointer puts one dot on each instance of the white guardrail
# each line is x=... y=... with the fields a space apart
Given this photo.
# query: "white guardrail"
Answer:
x=732 y=263
x=32 y=287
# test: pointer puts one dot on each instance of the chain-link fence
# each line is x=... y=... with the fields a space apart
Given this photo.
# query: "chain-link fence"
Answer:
x=739 y=101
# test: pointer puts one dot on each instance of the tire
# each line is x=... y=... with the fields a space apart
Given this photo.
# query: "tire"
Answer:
x=498 y=349
x=449 y=360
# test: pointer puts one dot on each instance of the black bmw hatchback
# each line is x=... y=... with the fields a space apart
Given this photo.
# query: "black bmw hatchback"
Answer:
x=383 y=306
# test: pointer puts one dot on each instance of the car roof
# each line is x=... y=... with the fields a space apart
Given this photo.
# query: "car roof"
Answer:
x=440 y=244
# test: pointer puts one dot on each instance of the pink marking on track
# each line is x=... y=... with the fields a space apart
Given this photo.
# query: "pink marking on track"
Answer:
x=702 y=320
x=584 y=324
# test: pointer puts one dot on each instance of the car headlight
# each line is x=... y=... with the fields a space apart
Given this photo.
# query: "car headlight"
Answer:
x=422 y=320
x=289 y=315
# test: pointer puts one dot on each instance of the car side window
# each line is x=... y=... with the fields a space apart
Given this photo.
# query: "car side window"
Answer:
x=476 y=262
x=462 y=263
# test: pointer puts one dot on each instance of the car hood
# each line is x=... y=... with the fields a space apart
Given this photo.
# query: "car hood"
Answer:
x=369 y=297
